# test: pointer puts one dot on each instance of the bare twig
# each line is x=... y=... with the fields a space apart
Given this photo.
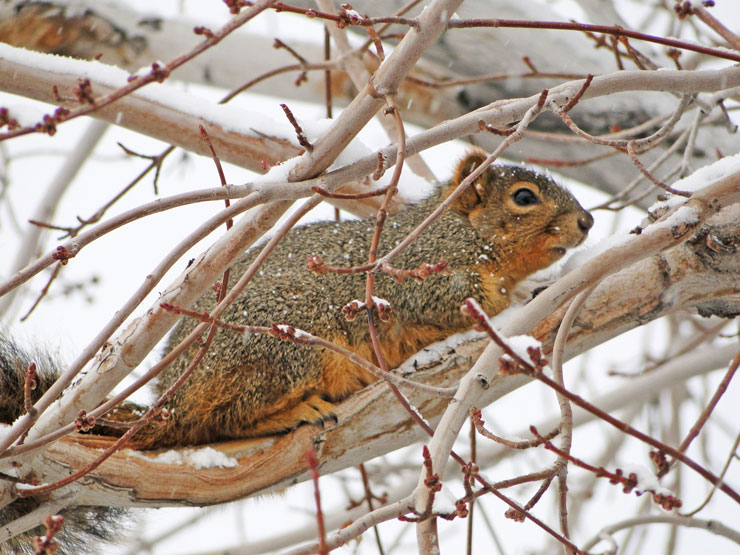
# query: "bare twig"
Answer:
x=702 y=13
x=733 y=454
x=479 y=424
x=616 y=31
x=369 y=498
x=44 y=290
x=706 y=413
x=313 y=466
x=712 y=526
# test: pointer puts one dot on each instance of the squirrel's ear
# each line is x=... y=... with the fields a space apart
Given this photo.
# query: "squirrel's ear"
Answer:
x=475 y=193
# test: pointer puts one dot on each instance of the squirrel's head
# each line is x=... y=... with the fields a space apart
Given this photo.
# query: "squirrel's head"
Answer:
x=523 y=213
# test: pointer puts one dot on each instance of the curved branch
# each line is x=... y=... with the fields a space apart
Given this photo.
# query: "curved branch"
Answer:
x=712 y=526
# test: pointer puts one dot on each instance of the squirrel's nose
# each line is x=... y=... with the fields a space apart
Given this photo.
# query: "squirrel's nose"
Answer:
x=585 y=222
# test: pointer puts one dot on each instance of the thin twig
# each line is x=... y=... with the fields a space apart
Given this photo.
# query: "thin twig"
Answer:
x=730 y=457
x=54 y=274
x=302 y=139
x=701 y=12
x=710 y=525
x=667 y=500
x=313 y=469
x=566 y=411
x=30 y=384
x=614 y=30
x=471 y=504
x=707 y=412
x=479 y=424
x=369 y=498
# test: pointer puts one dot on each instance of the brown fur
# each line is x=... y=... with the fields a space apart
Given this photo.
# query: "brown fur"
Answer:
x=261 y=385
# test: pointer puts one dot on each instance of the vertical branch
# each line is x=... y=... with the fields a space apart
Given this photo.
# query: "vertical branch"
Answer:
x=29 y=385
x=219 y=169
x=369 y=498
x=706 y=413
x=313 y=467
x=566 y=411
x=327 y=74
x=473 y=456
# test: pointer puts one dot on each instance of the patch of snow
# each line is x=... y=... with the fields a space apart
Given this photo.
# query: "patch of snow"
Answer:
x=208 y=457
x=521 y=343
x=353 y=15
x=381 y=303
x=168 y=457
x=722 y=168
x=300 y=334
x=684 y=215
x=205 y=457
x=646 y=479
x=444 y=501
x=580 y=257
x=663 y=205
x=435 y=351
x=143 y=71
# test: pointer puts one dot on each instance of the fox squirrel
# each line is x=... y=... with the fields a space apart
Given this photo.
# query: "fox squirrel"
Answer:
x=510 y=223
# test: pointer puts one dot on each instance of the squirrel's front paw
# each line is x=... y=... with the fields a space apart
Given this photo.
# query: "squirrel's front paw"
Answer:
x=312 y=410
x=318 y=411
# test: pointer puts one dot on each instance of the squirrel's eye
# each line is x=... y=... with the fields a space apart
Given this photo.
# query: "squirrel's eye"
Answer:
x=525 y=197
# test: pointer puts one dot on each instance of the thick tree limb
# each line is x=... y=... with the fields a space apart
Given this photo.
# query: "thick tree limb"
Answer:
x=158 y=117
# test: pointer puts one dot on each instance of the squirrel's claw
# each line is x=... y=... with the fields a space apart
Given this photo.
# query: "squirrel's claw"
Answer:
x=319 y=411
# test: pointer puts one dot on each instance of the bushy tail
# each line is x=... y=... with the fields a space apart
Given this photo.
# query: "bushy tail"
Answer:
x=85 y=531
x=14 y=363
x=85 y=528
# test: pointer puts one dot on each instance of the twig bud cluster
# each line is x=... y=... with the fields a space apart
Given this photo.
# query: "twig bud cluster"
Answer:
x=418 y=274
x=84 y=422
x=45 y=545
x=84 y=92
x=5 y=119
x=686 y=8
x=62 y=255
